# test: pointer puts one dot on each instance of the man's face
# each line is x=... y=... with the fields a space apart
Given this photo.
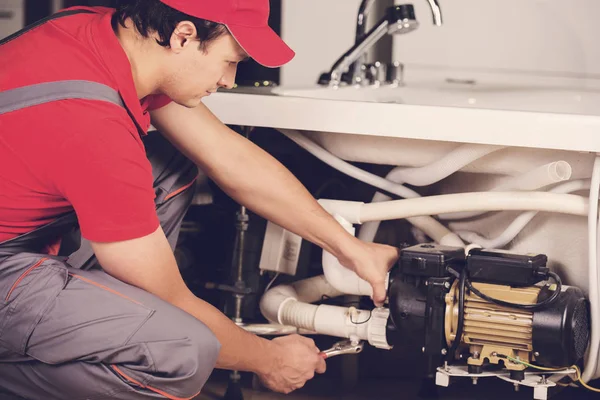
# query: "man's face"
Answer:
x=197 y=73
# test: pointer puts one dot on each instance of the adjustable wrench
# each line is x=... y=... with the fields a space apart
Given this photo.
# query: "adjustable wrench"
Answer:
x=343 y=347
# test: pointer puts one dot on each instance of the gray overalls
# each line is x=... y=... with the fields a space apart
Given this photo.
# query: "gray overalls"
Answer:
x=70 y=331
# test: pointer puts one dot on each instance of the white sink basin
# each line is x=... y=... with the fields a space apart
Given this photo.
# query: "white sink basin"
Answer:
x=556 y=99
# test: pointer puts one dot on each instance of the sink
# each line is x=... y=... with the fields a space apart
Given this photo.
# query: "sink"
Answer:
x=465 y=94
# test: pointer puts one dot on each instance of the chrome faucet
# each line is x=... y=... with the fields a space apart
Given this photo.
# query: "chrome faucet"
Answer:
x=397 y=20
x=361 y=24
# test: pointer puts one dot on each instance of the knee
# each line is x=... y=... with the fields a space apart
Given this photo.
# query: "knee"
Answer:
x=204 y=348
x=184 y=365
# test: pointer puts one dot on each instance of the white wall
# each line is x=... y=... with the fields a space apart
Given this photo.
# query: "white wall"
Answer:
x=549 y=36
x=318 y=31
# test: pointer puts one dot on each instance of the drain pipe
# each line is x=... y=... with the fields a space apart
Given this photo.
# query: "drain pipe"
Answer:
x=289 y=305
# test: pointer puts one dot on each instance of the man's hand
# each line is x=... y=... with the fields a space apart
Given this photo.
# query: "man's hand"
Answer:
x=294 y=360
x=371 y=261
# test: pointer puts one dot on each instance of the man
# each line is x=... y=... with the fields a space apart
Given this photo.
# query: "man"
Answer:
x=77 y=94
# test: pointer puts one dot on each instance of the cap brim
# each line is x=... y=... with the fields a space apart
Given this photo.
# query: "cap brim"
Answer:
x=263 y=45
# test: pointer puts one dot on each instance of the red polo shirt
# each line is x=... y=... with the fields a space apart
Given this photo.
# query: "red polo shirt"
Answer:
x=75 y=154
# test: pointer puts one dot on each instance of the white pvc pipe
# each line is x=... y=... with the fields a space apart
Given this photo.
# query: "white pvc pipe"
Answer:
x=368 y=230
x=521 y=221
x=326 y=320
x=548 y=174
x=442 y=168
x=288 y=305
x=430 y=226
x=346 y=167
x=485 y=201
x=306 y=291
x=340 y=277
x=554 y=172
x=538 y=201
x=591 y=365
x=435 y=230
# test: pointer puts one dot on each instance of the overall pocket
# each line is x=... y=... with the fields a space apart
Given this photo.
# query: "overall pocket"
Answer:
x=92 y=320
x=29 y=283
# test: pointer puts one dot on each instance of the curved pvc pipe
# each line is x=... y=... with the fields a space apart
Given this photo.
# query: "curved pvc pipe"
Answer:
x=340 y=277
x=444 y=167
x=430 y=226
x=521 y=221
x=548 y=174
x=346 y=167
x=397 y=209
x=590 y=370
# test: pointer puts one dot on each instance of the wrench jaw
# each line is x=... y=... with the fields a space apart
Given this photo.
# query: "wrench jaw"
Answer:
x=343 y=347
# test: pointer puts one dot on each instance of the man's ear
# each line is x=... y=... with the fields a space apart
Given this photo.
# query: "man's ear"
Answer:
x=183 y=35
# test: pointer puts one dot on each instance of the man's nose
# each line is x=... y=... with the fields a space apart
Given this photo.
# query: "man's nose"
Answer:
x=228 y=79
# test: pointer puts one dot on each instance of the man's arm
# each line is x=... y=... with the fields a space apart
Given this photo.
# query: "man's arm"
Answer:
x=255 y=179
x=284 y=364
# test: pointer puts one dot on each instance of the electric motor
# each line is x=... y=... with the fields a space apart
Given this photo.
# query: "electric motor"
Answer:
x=495 y=302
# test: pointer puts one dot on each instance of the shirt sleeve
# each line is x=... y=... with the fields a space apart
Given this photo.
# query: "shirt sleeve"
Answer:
x=105 y=175
x=156 y=101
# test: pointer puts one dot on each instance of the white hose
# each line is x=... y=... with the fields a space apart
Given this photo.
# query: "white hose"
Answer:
x=548 y=174
x=591 y=364
x=444 y=167
x=430 y=226
x=397 y=209
x=521 y=221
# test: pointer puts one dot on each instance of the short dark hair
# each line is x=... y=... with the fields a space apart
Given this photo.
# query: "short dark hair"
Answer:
x=150 y=16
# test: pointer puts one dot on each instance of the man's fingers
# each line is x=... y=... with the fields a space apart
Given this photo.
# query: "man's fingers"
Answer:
x=321 y=365
x=379 y=293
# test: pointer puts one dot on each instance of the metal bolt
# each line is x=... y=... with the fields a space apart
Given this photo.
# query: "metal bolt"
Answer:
x=474 y=381
x=423 y=349
x=536 y=354
x=476 y=355
x=447 y=285
x=446 y=368
x=444 y=352
x=516 y=387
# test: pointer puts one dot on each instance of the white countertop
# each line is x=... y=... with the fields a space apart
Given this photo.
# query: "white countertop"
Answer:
x=455 y=124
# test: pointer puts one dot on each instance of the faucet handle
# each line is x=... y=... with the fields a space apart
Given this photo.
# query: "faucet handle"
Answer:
x=395 y=73
x=369 y=73
x=381 y=72
x=375 y=73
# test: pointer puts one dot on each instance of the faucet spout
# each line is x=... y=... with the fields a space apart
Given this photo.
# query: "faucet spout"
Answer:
x=365 y=5
x=436 y=12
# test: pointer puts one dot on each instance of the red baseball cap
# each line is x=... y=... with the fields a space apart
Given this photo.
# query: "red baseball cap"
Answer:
x=247 y=20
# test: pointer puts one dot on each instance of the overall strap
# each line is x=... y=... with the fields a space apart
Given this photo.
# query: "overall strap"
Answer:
x=33 y=95
x=43 y=21
x=28 y=96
